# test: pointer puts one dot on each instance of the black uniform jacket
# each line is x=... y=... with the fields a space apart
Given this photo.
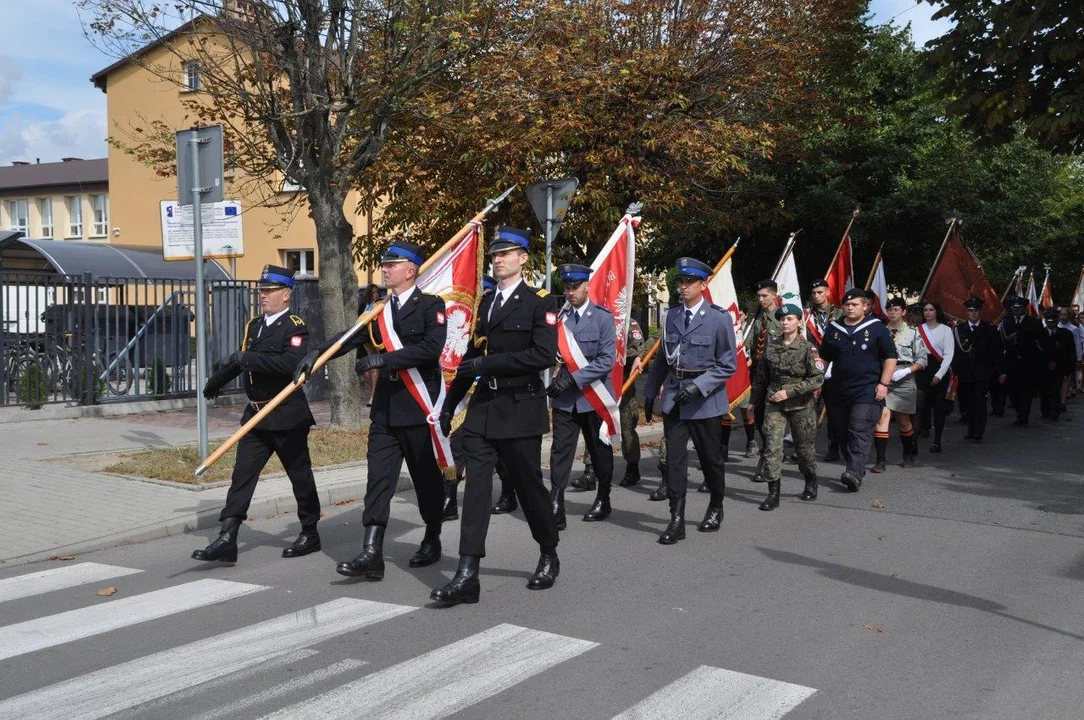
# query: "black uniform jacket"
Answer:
x=421 y=327
x=516 y=345
x=1023 y=342
x=1060 y=349
x=978 y=353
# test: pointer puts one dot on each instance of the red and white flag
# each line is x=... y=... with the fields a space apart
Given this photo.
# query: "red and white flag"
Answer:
x=1078 y=294
x=880 y=289
x=1046 y=300
x=721 y=292
x=612 y=277
x=840 y=277
x=1033 y=297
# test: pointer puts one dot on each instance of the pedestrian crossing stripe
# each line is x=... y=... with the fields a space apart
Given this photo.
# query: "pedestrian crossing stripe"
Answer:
x=456 y=676
x=60 y=578
x=709 y=692
x=119 y=687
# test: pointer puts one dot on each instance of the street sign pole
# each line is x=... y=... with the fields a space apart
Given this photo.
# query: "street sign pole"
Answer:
x=201 y=296
x=550 y=200
x=549 y=237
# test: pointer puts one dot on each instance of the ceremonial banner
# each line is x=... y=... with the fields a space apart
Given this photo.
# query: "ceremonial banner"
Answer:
x=879 y=288
x=612 y=277
x=786 y=277
x=1046 y=301
x=840 y=276
x=1078 y=294
x=721 y=292
x=956 y=276
x=1033 y=297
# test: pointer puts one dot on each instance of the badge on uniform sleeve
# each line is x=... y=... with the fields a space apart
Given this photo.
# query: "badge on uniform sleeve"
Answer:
x=296 y=341
x=819 y=363
x=551 y=318
x=440 y=318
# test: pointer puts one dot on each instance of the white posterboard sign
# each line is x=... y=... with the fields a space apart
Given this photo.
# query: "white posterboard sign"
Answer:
x=222 y=233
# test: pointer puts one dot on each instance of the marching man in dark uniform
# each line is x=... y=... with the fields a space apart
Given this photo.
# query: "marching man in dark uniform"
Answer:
x=1059 y=353
x=590 y=341
x=507 y=415
x=408 y=336
x=1022 y=340
x=696 y=357
x=863 y=359
x=976 y=359
x=272 y=345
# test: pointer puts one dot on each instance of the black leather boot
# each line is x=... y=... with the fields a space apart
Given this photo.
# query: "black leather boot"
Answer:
x=463 y=587
x=833 y=452
x=772 y=501
x=557 y=499
x=703 y=487
x=549 y=567
x=506 y=503
x=660 y=493
x=307 y=542
x=810 y=491
x=451 y=501
x=713 y=518
x=676 y=529
x=223 y=548
x=370 y=563
x=632 y=477
x=429 y=551
x=585 y=482
x=758 y=476
x=600 y=510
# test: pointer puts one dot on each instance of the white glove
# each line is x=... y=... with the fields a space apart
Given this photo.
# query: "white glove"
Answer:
x=900 y=374
x=828 y=372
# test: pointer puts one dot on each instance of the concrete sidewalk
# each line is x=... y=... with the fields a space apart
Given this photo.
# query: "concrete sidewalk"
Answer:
x=54 y=507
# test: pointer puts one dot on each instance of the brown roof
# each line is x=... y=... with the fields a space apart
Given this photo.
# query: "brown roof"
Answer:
x=99 y=78
x=44 y=175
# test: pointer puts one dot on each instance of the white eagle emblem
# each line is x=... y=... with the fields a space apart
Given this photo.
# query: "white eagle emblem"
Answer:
x=455 y=346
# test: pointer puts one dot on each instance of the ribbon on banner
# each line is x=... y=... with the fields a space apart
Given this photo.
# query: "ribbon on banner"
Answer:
x=598 y=396
x=412 y=379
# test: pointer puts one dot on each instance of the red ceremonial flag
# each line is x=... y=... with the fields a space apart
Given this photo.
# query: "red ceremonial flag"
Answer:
x=1045 y=299
x=840 y=277
x=956 y=276
x=612 y=277
x=721 y=292
x=1033 y=297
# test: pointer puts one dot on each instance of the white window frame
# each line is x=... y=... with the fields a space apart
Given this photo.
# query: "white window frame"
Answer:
x=100 y=214
x=306 y=260
x=20 y=221
x=190 y=73
x=75 y=216
x=47 y=228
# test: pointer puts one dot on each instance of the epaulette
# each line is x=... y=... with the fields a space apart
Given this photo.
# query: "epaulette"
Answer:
x=296 y=320
x=604 y=309
x=541 y=292
x=720 y=309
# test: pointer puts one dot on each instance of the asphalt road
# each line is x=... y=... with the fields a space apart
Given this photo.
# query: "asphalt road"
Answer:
x=961 y=597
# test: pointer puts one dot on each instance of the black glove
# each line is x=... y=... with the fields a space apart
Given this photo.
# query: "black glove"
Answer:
x=470 y=368
x=370 y=362
x=649 y=408
x=564 y=381
x=446 y=423
x=212 y=388
x=688 y=391
x=304 y=368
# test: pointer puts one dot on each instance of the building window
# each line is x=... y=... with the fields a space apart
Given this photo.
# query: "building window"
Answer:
x=100 y=203
x=191 y=76
x=45 y=208
x=19 y=214
x=303 y=261
x=75 y=216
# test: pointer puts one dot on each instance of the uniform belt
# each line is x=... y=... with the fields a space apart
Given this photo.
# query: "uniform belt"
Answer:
x=500 y=383
x=427 y=375
x=681 y=374
x=258 y=405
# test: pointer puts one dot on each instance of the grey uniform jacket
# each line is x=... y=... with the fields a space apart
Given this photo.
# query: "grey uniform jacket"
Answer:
x=597 y=338
x=707 y=345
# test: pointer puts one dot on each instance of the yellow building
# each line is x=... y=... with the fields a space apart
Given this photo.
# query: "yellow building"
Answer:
x=136 y=96
x=66 y=200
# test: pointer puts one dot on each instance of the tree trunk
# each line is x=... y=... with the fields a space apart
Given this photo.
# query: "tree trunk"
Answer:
x=339 y=295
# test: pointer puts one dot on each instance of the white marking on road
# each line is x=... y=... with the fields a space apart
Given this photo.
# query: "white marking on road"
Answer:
x=715 y=693
x=65 y=627
x=445 y=680
x=287 y=689
x=123 y=686
x=59 y=579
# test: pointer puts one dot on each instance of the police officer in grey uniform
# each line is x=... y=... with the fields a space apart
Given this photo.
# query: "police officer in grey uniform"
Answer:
x=591 y=327
x=697 y=356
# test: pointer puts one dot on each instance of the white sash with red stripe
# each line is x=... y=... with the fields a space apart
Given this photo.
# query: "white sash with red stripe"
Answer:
x=816 y=334
x=412 y=379
x=597 y=394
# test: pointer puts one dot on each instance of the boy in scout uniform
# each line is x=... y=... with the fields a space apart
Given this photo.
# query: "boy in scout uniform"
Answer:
x=786 y=378
x=592 y=328
x=272 y=345
x=696 y=359
x=763 y=328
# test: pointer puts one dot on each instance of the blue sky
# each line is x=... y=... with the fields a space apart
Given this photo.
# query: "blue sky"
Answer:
x=50 y=110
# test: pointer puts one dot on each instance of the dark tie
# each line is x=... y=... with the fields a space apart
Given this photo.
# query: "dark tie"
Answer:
x=497 y=302
x=575 y=318
x=688 y=318
x=394 y=305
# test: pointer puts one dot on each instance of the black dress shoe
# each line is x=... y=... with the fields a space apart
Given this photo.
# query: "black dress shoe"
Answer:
x=632 y=477
x=505 y=504
x=585 y=482
x=703 y=487
x=676 y=529
x=370 y=563
x=557 y=501
x=549 y=567
x=463 y=587
x=851 y=482
x=429 y=551
x=659 y=493
x=935 y=448
x=600 y=510
x=307 y=542
x=224 y=547
x=713 y=518
x=451 y=502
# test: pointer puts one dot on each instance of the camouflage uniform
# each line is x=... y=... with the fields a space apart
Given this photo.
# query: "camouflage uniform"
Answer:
x=791 y=367
x=630 y=406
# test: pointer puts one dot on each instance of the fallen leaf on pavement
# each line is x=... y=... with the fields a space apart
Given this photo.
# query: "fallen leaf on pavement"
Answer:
x=106 y=592
x=43 y=443
x=879 y=504
x=61 y=557
x=873 y=628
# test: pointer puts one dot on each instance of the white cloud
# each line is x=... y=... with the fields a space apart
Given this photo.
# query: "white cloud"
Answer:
x=79 y=133
x=9 y=76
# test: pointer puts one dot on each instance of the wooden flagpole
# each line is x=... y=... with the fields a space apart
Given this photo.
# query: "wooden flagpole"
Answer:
x=328 y=354
x=658 y=341
x=1019 y=271
x=926 y=285
x=846 y=234
x=873 y=270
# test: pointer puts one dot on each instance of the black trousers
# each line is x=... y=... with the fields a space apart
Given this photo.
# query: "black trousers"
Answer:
x=999 y=395
x=1050 y=393
x=854 y=428
x=253 y=452
x=707 y=436
x=972 y=397
x=388 y=447
x=567 y=427
x=522 y=458
x=1022 y=385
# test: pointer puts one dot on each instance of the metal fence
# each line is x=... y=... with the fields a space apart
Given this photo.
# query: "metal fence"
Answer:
x=81 y=340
